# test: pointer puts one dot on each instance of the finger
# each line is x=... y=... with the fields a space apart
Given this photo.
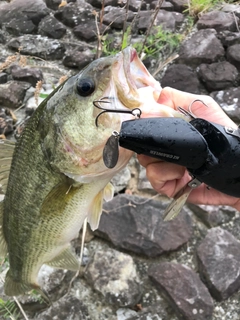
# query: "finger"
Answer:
x=146 y=160
x=165 y=177
x=213 y=112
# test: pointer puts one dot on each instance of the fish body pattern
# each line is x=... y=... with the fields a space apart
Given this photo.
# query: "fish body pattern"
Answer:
x=57 y=174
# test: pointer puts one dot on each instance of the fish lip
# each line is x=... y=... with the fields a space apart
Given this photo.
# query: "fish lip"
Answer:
x=130 y=75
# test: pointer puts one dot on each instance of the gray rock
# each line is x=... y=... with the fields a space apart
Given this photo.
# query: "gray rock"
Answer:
x=231 y=8
x=179 y=5
x=154 y=312
x=183 y=289
x=31 y=75
x=168 y=6
x=33 y=10
x=135 y=5
x=229 y=100
x=202 y=47
x=78 y=59
x=219 y=263
x=98 y=3
x=51 y=27
x=114 y=275
x=167 y=20
x=182 y=77
x=6 y=121
x=143 y=182
x=20 y=26
x=121 y=179
x=233 y=55
x=218 y=20
x=136 y=224
x=68 y=307
x=218 y=75
x=88 y=31
x=53 y=4
x=213 y=216
x=12 y=93
x=3 y=77
x=229 y=38
x=36 y=45
x=72 y=15
x=115 y=17
x=2 y=36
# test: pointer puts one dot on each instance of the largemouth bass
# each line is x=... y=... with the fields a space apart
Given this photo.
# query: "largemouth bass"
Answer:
x=57 y=175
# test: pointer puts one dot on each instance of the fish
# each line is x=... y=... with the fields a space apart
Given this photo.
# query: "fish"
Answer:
x=54 y=177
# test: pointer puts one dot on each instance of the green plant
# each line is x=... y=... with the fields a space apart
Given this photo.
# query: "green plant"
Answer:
x=196 y=7
x=159 y=41
x=9 y=310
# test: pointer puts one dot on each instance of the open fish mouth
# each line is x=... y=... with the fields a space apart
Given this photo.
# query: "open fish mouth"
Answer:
x=131 y=84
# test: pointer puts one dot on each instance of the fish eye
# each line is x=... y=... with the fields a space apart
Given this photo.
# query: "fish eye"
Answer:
x=85 y=87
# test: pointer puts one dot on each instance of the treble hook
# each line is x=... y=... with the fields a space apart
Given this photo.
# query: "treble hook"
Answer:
x=189 y=111
x=135 y=112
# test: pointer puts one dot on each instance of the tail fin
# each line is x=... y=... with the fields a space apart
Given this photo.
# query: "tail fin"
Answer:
x=16 y=288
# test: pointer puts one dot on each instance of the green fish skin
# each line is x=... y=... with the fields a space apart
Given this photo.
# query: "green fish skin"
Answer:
x=57 y=177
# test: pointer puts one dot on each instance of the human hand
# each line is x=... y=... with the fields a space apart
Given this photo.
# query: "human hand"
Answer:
x=167 y=178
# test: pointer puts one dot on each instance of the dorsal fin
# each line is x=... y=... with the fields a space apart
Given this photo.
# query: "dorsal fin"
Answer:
x=6 y=153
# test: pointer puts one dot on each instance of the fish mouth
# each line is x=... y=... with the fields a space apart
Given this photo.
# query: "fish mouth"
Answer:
x=134 y=86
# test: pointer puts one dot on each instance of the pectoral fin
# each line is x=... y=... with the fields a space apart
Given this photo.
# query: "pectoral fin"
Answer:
x=95 y=210
x=108 y=192
x=6 y=153
x=65 y=260
x=3 y=243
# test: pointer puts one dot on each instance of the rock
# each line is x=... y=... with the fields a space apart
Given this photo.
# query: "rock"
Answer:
x=6 y=121
x=98 y=3
x=12 y=93
x=72 y=15
x=167 y=20
x=115 y=17
x=179 y=5
x=53 y=4
x=182 y=77
x=219 y=263
x=143 y=182
x=3 y=77
x=38 y=46
x=202 y=47
x=231 y=8
x=121 y=179
x=68 y=307
x=218 y=20
x=114 y=275
x=168 y=6
x=213 y=216
x=2 y=36
x=218 y=75
x=31 y=75
x=183 y=289
x=136 y=224
x=33 y=10
x=233 y=55
x=20 y=26
x=52 y=28
x=88 y=31
x=78 y=59
x=135 y=5
x=229 y=38
x=229 y=100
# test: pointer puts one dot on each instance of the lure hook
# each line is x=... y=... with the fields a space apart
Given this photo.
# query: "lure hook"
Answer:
x=189 y=111
x=97 y=103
